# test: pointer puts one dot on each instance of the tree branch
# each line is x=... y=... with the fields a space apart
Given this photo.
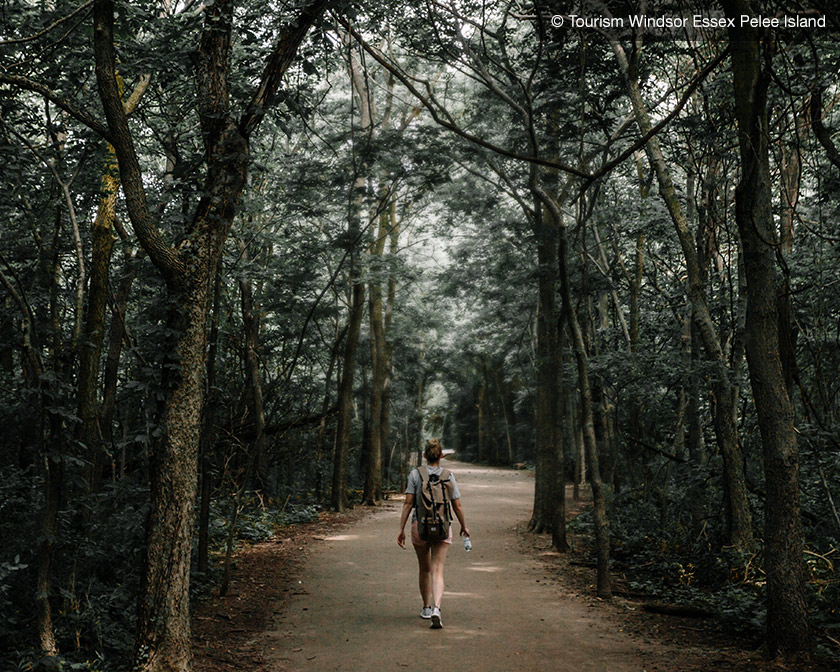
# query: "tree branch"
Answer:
x=820 y=131
x=163 y=255
x=78 y=113
x=658 y=451
x=279 y=61
x=437 y=111
x=41 y=33
x=134 y=99
x=699 y=78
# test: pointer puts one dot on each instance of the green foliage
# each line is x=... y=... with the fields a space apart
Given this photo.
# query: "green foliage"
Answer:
x=33 y=661
x=661 y=560
x=9 y=622
x=95 y=588
x=258 y=519
x=655 y=550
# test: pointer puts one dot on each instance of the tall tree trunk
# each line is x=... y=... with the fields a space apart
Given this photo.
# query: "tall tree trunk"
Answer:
x=602 y=393
x=635 y=287
x=163 y=626
x=51 y=445
x=116 y=338
x=691 y=355
x=724 y=389
x=253 y=377
x=163 y=641
x=373 y=473
x=89 y=430
x=53 y=476
x=486 y=395
x=696 y=442
x=787 y=620
x=602 y=532
x=364 y=414
x=388 y=344
x=575 y=440
x=481 y=417
x=790 y=171
x=506 y=404
x=338 y=497
x=91 y=348
x=323 y=445
x=208 y=434
x=636 y=405
x=558 y=528
x=364 y=101
x=544 y=515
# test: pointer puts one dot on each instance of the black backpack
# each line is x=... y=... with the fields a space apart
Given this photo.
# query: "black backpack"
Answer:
x=434 y=514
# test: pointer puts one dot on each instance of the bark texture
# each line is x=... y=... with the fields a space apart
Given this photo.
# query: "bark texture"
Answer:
x=364 y=102
x=547 y=404
x=91 y=347
x=787 y=622
x=163 y=628
x=53 y=470
x=338 y=497
x=90 y=352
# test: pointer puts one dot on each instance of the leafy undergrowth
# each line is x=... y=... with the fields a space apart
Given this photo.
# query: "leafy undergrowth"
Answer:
x=651 y=567
x=258 y=518
x=95 y=606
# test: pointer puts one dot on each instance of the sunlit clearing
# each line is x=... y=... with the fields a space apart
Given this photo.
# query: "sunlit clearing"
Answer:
x=450 y=595
x=476 y=568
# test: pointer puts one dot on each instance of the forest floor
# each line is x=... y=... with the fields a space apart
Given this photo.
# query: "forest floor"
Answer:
x=339 y=594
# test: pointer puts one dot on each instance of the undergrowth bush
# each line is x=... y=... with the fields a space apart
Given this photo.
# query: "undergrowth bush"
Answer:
x=662 y=559
x=96 y=572
x=258 y=519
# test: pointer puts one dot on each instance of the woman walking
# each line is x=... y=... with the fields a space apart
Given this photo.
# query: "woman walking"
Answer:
x=431 y=556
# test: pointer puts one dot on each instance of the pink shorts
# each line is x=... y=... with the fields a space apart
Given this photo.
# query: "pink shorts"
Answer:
x=417 y=541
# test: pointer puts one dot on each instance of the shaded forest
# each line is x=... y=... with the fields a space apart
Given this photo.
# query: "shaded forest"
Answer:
x=253 y=255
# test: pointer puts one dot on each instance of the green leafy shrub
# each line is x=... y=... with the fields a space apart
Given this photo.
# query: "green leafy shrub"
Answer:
x=257 y=520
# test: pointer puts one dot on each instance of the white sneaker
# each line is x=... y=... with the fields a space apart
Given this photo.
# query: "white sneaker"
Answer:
x=426 y=613
x=437 y=624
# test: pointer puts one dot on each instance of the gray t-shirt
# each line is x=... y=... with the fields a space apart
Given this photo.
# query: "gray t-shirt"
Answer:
x=415 y=483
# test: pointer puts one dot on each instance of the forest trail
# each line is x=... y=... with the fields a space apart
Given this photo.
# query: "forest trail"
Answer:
x=357 y=606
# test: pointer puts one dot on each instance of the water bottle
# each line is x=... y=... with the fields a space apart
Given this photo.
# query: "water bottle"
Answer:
x=467 y=543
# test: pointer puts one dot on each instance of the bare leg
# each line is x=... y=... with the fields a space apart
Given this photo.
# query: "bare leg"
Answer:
x=424 y=556
x=438 y=559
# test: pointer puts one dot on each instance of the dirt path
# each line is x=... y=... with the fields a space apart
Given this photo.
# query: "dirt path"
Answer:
x=357 y=604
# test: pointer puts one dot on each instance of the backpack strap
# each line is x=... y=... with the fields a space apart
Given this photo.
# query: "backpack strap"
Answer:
x=425 y=485
x=445 y=483
x=423 y=473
